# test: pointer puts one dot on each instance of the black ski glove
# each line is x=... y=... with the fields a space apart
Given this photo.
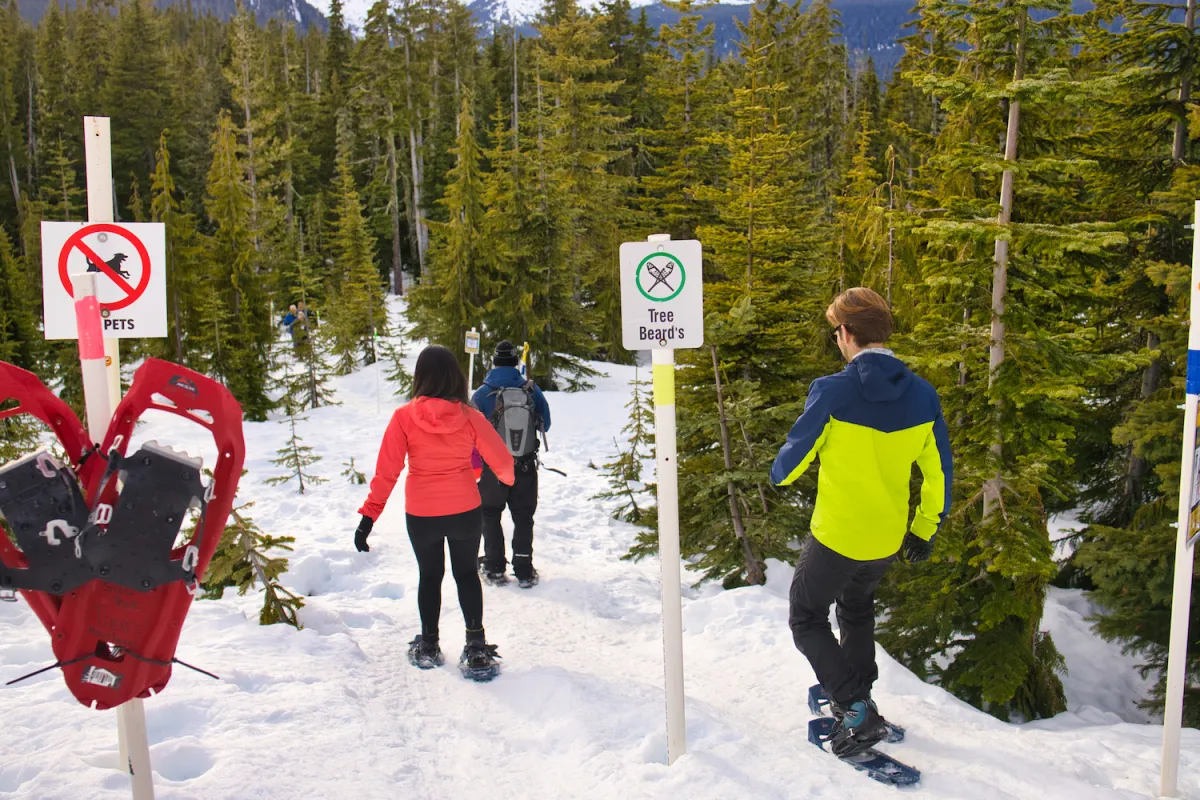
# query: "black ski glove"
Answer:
x=917 y=549
x=361 y=534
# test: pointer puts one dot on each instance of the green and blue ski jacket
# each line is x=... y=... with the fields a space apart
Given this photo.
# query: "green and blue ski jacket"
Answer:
x=868 y=425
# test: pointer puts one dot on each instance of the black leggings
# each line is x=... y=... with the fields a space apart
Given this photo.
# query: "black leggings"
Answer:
x=462 y=531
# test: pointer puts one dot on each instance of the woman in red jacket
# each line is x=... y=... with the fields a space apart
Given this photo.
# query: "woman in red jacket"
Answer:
x=436 y=432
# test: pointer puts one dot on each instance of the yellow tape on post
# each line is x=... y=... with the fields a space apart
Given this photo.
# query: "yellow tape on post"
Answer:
x=664 y=384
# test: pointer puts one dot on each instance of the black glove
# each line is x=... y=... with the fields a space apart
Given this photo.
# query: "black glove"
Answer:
x=917 y=549
x=361 y=534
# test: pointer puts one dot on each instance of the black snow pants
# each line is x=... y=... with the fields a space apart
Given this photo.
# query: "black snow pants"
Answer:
x=521 y=500
x=429 y=537
x=846 y=669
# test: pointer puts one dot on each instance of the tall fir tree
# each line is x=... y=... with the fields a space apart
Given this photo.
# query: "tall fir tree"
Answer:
x=236 y=293
x=461 y=284
x=767 y=279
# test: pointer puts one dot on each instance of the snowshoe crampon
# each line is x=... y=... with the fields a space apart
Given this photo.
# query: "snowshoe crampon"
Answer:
x=478 y=662
x=879 y=766
x=115 y=634
x=818 y=703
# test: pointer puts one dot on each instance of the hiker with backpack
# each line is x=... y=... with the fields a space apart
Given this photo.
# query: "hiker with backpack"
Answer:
x=519 y=412
x=436 y=433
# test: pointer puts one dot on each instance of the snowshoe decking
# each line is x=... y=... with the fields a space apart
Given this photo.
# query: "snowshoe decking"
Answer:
x=478 y=662
x=159 y=487
x=879 y=766
x=818 y=701
x=25 y=393
x=41 y=501
x=115 y=635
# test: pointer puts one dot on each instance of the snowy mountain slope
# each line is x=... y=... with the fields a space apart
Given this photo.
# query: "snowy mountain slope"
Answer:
x=335 y=711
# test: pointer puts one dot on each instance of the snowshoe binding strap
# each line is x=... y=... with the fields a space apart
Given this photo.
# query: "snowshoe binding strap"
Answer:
x=137 y=549
x=41 y=501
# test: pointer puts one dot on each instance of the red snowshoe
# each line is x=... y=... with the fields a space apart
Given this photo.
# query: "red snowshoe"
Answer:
x=110 y=578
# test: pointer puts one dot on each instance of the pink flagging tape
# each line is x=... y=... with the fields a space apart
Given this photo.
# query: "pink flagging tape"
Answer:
x=87 y=322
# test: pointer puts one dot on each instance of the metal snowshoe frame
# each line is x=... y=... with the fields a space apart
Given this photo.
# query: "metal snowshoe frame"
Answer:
x=115 y=635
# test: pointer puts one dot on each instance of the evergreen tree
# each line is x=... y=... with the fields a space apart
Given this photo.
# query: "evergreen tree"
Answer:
x=625 y=471
x=235 y=288
x=241 y=560
x=185 y=249
x=135 y=94
x=18 y=326
x=294 y=456
x=454 y=299
x=357 y=314
x=1012 y=364
x=767 y=273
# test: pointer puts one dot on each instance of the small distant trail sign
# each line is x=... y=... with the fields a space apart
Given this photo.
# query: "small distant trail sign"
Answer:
x=130 y=260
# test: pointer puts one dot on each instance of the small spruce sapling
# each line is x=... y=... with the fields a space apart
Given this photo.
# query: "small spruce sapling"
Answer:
x=241 y=560
x=352 y=474
x=294 y=456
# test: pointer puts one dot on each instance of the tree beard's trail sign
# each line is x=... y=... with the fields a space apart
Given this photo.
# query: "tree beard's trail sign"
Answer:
x=662 y=295
x=131 y=262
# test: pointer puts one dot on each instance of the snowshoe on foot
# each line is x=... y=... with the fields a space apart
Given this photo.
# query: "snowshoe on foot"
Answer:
x=858 y=727
x=423 y=654
x=818 y=701
x=495 y=578
x=528 y=581
x=478 y=662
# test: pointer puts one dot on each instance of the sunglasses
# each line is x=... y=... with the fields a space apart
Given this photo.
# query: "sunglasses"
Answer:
x=833 y=334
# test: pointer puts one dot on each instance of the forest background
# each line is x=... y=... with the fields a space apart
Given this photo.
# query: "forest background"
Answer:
x=1019 y=191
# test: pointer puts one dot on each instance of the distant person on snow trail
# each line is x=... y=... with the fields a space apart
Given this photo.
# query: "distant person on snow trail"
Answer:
x=289 y=319
x=518 y=410
x=868 y=425
x=436 y=432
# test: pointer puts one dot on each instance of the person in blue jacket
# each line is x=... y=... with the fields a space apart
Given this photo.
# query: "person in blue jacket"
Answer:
x=520 y=431
x=868 y=424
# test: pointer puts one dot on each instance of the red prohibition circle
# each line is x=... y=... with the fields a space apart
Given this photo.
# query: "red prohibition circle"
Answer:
x=76 y=239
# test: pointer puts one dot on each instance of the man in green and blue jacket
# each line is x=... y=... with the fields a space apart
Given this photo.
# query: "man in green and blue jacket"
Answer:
x=867 y=425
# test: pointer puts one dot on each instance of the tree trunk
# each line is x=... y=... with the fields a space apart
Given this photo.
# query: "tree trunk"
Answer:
x=516 y=124
x=31 y=164
x=1150 y=379
x=991 y=495
x=12 y=177
x=289 y=213
x=753 y=567
x=394 y=204
x=414 y=157
x=891 y=228
x=1179 y=144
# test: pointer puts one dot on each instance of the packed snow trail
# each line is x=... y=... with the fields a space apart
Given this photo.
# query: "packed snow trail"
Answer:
x=335 y=711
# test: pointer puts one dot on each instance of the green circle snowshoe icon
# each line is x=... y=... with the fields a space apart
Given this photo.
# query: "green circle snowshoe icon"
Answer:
x=660 y=277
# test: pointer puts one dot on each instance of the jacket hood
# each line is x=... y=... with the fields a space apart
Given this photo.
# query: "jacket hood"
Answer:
x=434 y=415
x=881 y=377
x=504 y=377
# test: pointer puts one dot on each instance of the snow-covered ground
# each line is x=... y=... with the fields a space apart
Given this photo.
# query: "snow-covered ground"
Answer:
x=335 y=711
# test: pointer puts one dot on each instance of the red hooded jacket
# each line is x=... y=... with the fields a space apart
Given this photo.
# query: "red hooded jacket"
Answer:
x=436 y=436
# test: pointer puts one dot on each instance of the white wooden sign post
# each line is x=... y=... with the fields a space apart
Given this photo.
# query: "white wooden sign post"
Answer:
x=103 y=282
x=662 y=309
x=1185 y=539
